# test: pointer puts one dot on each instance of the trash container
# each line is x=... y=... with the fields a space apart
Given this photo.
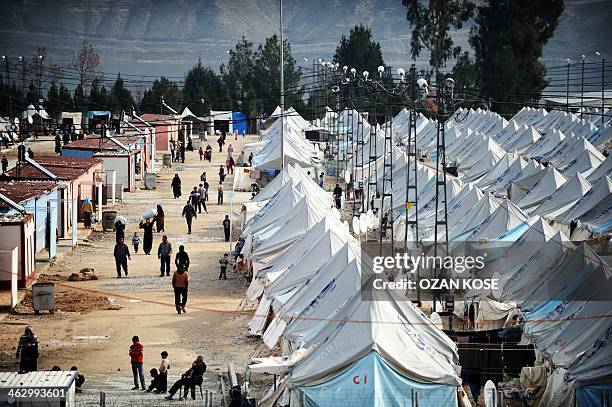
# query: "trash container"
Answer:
x=43 y=297
x=108 y=220
x=167 y=160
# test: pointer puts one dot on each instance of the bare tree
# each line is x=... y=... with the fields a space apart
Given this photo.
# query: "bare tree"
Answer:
x=57 y=73
x=85 y=63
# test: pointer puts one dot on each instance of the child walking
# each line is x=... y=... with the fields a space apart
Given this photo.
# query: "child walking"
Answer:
x=136 y=241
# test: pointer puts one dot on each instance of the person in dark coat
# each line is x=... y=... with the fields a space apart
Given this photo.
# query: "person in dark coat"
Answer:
x=182 y=151
x=29 y=357
x=176 y=186
x=189 y=213
x=147 y=243
x=189 y=379
x=121 y=253
x=227 y=227
x=29 y=362
x=58 y=144
x=160 y=219
x=119 y=230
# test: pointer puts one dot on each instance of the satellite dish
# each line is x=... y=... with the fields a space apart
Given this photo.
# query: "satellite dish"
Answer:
x=490 y=394
x=356 y=225
x=363 y=223
x=436 y=319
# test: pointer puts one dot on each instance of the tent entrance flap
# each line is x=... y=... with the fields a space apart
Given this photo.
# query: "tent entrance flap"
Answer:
x=372 y=382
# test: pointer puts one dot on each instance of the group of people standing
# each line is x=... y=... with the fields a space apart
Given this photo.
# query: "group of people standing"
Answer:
x=194 y=376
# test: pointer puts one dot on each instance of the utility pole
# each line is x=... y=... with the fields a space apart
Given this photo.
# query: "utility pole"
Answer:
x=582 y=88
x=567 y=86
x=282 y=87
x=8 y=85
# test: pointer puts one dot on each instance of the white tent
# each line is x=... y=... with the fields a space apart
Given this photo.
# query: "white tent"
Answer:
x=390 y=331
x=548 y=184
x=601 y=190
x=564 y=198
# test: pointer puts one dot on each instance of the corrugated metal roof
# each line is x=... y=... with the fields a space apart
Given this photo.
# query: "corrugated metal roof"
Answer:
x=20 y=191
x=65 y=168
x=45 y=379
x=93 y=143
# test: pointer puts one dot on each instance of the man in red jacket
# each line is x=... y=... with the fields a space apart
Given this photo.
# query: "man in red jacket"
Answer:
x=137 y=359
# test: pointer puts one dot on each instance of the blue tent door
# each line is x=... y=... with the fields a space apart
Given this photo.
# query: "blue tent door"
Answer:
x=51 y=230
x=371 y=382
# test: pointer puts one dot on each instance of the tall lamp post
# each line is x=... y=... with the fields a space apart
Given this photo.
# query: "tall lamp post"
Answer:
x=582 y=87
x=603 y=92
x=282 y=87
x=567 y=86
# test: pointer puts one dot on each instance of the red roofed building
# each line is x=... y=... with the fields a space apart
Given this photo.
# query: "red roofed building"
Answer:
x=36 y=229
x=121 y=153
x=166 y=128
x=80 y=176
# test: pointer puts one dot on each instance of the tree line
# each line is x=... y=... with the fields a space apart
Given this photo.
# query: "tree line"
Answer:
x=502 y=70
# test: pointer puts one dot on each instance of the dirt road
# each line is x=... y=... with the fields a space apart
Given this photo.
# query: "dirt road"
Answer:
x=97 y=338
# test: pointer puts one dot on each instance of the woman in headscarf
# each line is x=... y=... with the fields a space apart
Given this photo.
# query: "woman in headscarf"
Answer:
x=176 y=186
x=230 y=149
x=159 y=219
x=147 y=243
x=27 y=351
x=87 y=209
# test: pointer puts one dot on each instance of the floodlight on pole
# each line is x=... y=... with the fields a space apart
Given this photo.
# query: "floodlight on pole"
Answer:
x=353 y=72
x=381 y=70
x=365 y=75
x=282 y=86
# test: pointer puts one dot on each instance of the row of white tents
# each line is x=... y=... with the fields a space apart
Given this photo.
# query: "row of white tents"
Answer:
x=309 y=268
x=337 y=348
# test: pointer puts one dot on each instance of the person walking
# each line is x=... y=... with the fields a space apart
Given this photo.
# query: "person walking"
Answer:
x=203 y=176
x=189 y=213
x=135 y=242
x=181 y=260
x=209 y=153
x=226 y=227
x=201 y=153
x=203 y=192
x=321 y=179
x=4 y=164
x=164 y=251
x=230 y=149
x=176 y=186
x=180 y=284
x=160 y=219
x=338 y=196
x=251 y=159
x=87 y=209
x=194 y=197
x=119 y=230
x=27 y=351
x=147 y=226
x=223 y=263
x=220 y=142
x=191 y=378
x=137 y=359
x=58 y=144
x=182 y=151
x=221 y=174
x=121 y=254
x=232 y=164
x=220 y=194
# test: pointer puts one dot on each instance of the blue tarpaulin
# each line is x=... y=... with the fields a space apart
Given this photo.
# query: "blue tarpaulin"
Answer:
x=592 y=395
x=93 y=113
x=372 y=382
x=240 y=122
